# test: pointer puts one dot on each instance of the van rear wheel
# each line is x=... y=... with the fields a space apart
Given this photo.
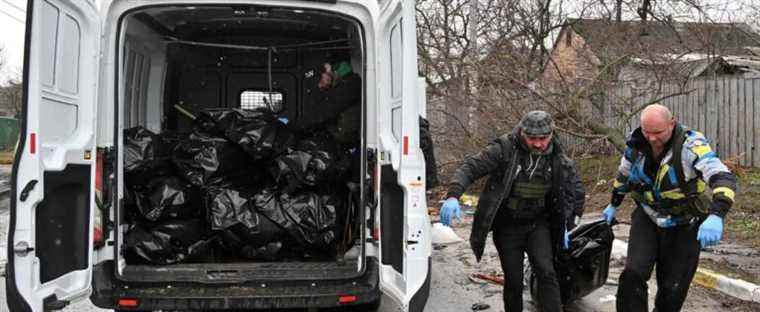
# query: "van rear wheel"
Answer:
x=368 y=307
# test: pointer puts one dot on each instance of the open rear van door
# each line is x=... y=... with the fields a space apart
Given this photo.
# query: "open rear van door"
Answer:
x=50 y=235
x=405 y=245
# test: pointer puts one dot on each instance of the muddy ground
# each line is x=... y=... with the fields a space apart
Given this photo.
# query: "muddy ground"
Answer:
x=737 y=256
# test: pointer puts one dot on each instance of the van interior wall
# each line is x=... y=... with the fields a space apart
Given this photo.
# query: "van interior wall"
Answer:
x=205 y=77
x=206 y=80
x=144 y=53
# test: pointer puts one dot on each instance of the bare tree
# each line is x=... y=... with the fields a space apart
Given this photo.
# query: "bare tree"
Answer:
x=2 y=57
x=479 y=93
x=10 y=90
x=11 y=97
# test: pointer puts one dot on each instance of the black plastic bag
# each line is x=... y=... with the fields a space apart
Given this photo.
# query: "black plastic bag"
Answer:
x=204 y=160
x=242 y=228
x=585 y=266
x=307 y=217
x=139 y=147
x=304 y=166
x=314 y=215
x=145 y=156
x=169 y=242
x=167 y=198
x=258 y=132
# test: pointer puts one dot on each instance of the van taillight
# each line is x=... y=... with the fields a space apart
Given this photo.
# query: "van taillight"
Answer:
x=97 y=237
x=128 y=303
x=375 y=233
x=346 y=299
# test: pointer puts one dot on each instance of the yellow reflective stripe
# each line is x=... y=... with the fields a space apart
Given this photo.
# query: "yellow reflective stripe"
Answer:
x=700 y=186
x=726 y=192
x=663 y=171
x=701 y=150
x=648 y=195
x=617 y=184
x=673 y=194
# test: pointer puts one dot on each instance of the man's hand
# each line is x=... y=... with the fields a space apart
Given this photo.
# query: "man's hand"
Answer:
x=710 y=231
x=450 y=209
x=609 y=213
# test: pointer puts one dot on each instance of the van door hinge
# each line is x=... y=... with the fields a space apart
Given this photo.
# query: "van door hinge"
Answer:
x=27 y=189
x=22 y=249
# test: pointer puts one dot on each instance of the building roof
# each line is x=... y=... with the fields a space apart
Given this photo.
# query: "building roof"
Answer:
x=609 y=38
x=695 y=64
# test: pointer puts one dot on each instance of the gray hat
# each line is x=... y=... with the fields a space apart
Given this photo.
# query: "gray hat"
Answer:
x=537 y=123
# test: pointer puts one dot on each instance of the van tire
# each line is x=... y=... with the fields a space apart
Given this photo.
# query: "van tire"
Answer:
x=369 y=307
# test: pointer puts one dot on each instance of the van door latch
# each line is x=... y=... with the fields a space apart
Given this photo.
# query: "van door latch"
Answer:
x=27 y=189
x=22 y=249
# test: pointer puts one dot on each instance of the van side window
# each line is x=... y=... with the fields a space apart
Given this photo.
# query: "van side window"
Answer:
x=136 y=88
x=253 y=99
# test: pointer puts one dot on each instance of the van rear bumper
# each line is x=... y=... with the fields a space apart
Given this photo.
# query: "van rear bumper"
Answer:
x=107 y=291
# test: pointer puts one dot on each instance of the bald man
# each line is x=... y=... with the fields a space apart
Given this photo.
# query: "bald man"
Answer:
x=665 y=168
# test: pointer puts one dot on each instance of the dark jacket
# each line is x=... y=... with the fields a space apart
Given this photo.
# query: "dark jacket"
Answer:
x=498 y=161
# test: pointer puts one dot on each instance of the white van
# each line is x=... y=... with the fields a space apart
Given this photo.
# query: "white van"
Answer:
x=89 y=76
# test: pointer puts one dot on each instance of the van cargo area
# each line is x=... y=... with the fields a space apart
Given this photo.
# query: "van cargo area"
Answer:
x=241 y=145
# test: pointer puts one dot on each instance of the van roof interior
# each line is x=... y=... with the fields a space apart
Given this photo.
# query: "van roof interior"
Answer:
x=237 y=24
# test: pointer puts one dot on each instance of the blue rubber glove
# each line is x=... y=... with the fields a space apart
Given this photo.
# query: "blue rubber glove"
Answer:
x=710 y=231
x=609 y=213
x=450 y=209
x=566 y=240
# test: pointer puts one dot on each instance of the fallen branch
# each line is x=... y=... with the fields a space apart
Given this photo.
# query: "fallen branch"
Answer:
x=489 y=278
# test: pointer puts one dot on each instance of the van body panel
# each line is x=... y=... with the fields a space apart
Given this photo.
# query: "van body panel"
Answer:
x=398 y=133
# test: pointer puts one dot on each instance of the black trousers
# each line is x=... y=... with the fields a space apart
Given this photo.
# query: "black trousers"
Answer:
x=675 y=252
x=512 y=241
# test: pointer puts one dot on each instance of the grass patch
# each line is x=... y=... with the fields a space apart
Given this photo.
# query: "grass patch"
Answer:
x=597 y=174
x=746 y=225
x=743 y=227
x=597 y=169
x=743 y=222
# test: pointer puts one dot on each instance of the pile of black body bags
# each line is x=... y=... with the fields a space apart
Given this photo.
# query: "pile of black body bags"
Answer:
x=241 y=186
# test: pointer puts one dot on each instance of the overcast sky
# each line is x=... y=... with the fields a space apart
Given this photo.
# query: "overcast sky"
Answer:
x=12 y=16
